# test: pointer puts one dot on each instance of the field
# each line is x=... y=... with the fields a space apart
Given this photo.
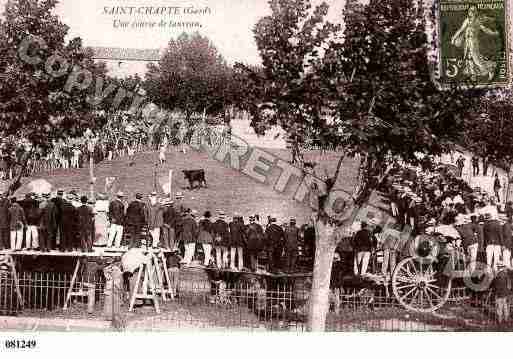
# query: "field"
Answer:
x=228 y=189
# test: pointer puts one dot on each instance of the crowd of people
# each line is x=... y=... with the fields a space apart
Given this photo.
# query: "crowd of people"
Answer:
x=69 y=222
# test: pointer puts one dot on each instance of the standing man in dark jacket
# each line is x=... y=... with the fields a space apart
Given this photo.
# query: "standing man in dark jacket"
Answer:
x=237 y=242
x=169 y=227
x=274 y=237
x=507 y=243
x=32 y=213
x=135 y=220
x=4 y=221
x=117 y=220
x=58 y=201
x=17 y=223
x=47 y=223
x=469 y=233
x=363 y=248
x=221 y=240
x=85 y=221
x=291 y=245
x=493 y=238
x=255 y=236
x=189 y=235
x=70 y=232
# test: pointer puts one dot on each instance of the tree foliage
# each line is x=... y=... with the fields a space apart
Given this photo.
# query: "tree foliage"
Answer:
x=33 y=104
x=191 y=77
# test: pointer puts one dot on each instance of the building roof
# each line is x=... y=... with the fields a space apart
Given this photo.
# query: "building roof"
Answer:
x=118 y=53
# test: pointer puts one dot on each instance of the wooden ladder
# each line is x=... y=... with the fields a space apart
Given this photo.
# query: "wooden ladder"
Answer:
x=145 y=289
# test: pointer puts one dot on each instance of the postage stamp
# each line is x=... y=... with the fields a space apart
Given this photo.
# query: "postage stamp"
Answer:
x=473 y=40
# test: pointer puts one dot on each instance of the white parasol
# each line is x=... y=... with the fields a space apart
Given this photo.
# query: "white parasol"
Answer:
x=445 y=230
x=39 y=186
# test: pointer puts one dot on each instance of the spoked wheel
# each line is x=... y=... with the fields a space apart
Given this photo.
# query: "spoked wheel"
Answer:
x=419 y=287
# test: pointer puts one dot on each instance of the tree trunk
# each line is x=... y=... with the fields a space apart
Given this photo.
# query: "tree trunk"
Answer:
x=319 y=296
x=326 y=244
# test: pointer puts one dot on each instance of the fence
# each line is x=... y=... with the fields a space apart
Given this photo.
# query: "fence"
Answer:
x=244 y=304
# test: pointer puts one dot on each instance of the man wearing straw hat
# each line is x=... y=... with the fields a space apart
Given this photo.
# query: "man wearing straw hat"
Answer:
x=116 y=216
x=221 y=240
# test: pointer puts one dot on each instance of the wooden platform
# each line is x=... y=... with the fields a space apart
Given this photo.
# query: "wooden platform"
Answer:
x=97 y=252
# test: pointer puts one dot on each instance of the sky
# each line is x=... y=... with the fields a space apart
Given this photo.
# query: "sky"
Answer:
x=228 y=23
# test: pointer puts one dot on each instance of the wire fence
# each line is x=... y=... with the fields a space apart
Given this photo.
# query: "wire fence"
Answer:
x=247 y=304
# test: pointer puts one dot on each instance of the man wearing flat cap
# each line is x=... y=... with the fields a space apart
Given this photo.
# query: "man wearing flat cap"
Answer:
x=69 y=238
x=275 y=237
x=221 y=240
x=116 y=217
x=85 y=216
x=47 y=222
x=237 y=242
x=255 y=236
x=136 y=219
x=291 y=245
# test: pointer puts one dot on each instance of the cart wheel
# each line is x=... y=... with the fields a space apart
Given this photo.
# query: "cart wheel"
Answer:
x=419 y=287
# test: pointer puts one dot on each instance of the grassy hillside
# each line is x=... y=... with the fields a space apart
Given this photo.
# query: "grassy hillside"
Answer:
x=228 y=189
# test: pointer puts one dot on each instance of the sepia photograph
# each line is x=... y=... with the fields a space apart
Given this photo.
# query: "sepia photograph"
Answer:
x=255 y=166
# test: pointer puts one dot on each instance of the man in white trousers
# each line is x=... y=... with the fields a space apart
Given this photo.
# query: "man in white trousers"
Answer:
x=117 y=218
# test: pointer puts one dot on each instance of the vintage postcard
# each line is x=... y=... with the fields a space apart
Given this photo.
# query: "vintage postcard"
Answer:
x=255 y=166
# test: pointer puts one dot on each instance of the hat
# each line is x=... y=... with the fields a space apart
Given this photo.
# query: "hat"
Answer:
x=292 y=220
x=60 y=192
x=138 y=196
x=207 y=214
x=153 y=194
x=120 y=194
x=193 y=212
x=101 y=196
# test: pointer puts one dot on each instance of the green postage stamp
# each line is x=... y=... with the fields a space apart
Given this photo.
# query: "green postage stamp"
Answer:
x=474 y=42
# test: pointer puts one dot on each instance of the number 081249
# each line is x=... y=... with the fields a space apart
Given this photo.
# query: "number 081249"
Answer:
x=19 y=344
